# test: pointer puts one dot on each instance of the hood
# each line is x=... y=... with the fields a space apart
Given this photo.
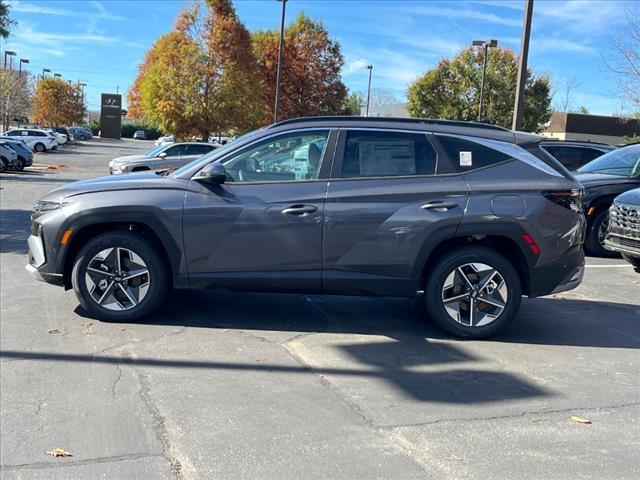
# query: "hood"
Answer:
x=595 y=179
x=130 y=181
x=632 y=197
x=128 y=158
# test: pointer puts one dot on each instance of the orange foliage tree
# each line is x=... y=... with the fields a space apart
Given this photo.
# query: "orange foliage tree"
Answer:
x=57 y=102
x=311 y=83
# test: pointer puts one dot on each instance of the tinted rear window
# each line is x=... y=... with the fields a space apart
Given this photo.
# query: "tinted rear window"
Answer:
x=387 y=154
x=466 y=155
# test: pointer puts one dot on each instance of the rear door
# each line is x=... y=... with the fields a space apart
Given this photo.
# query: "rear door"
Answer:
x=390 y=198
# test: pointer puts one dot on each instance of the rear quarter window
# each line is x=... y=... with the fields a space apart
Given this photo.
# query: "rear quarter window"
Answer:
x=466 y=155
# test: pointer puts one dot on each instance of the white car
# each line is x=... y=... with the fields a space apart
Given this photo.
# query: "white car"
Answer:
x=60 y=138
x=37 y=140
x=164 y=140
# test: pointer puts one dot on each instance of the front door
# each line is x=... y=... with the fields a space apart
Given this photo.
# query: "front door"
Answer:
x=390 y=197
x=262 y=228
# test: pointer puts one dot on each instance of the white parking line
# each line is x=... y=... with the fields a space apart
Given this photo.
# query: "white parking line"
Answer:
x=607 y=266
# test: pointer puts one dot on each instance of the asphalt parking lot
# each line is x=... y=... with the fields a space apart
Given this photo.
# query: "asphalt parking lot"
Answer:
x=265 y=386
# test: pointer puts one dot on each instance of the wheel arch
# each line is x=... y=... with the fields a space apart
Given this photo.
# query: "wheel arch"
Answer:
x=143 y=224
x=505 y=245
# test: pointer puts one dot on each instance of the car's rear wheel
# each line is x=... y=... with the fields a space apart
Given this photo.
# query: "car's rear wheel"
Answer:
x=594 y=243
x=20 y=165
x=473 y=292
x=119 y=276
x=39 y=147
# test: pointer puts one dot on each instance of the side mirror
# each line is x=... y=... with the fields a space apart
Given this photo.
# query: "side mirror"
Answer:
x=162 y=155
x=212 y=173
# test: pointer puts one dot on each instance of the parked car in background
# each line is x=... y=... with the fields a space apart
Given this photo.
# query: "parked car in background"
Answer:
x=65 y=131
x=574 y=154
x=60 y=138
x=37 y=140
x=8 y=157
x=164 y=140
x=170 y=155
x=605 y=178
x=219 y=140
x=81 y=133
x=24 y=153
x=623 y=232
x=139 y=135
x=334 y=205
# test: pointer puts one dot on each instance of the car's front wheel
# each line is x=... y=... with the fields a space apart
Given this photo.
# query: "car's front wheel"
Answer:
x=596 y=232
x=119 y=276
x=473 y=292
x=39 y=147
x=82 y=138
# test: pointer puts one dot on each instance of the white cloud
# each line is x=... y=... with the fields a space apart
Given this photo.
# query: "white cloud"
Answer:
x=433 y=11
x=549 y=44
x=100 y=11
x=355 y=65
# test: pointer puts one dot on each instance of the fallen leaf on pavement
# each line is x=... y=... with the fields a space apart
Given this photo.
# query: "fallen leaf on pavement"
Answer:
x=579 y=419
x=86 y=327
x=559 y=297
x=59 y=452
x=53 y=330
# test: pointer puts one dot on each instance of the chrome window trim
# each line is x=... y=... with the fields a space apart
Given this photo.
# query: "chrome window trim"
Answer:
x=512 y=150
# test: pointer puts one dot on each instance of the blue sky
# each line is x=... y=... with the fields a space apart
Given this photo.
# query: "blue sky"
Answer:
x=101 y=42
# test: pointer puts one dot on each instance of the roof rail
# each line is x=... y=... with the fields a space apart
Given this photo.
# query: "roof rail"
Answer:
x=424 y=121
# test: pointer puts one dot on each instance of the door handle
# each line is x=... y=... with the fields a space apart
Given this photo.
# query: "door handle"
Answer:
x=300 y=210
x=439 y=206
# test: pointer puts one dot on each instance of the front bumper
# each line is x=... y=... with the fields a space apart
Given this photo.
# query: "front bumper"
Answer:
x=38 y=261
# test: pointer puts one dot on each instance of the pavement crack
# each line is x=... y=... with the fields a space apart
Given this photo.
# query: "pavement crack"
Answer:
x=116 y=381
x=74 y=463
x=513 y=415
x=159 y=427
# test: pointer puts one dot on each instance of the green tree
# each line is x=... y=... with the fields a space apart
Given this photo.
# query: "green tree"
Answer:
x=202 y=77
x=451 y=90
x=311 y=83
x=353 y=103
x=5 y=21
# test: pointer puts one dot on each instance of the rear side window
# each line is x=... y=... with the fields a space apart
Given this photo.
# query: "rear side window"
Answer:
x=387 y=154
x=466 y=155
x=198 y=149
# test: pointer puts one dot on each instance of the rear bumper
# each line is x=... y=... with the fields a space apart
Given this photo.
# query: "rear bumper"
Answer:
x=564 y=274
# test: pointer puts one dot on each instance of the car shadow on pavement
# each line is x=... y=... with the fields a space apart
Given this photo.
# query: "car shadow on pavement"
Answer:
x=36 y=177
x=15 y=227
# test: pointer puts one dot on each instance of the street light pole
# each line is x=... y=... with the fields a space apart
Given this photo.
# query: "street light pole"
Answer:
x=22 y=60
x=45 y=71
x=277 y=103
x=370 y=68
x=485 y=46
x=10 y=54
x=522 y=66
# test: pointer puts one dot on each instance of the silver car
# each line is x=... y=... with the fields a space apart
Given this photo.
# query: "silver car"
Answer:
x=173 y=155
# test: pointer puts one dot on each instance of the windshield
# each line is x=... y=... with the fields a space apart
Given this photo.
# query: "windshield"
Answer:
x=154 y=151
x=215 y=152
x=624 y=162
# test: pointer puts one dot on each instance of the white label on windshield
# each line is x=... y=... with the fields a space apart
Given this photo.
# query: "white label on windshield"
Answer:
x=466 y=159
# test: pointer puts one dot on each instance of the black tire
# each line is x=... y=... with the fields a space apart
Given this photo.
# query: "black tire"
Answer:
x=2 y=166
x=82 y=138
x=592 y=244
x=461 y=257
x=140 y=169
x=39 y=147
x=635 y=261
x=20 y=166
x=157 y=276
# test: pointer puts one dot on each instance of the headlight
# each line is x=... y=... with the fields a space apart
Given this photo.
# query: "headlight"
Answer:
x=44 y=206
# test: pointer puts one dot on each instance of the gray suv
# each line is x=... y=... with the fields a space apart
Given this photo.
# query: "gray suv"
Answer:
x=472 y=215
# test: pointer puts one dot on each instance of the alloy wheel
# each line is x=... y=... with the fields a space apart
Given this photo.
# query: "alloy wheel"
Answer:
x=602 y=229
x=117 y=279
x=474 y=294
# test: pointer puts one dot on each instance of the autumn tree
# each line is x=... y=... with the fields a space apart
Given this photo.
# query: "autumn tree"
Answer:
x=311 y=83
x=57 y=102
x=15 y=97
x=202 y=77
x=451 y=90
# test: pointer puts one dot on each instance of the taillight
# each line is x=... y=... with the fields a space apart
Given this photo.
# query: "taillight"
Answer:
x=570 y=199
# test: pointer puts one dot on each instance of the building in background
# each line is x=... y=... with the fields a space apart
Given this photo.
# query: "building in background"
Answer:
x=594 y=128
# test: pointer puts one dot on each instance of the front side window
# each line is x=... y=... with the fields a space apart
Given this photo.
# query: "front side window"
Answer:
x=624 y=162
x=13 y=133
x=289 y=157
x=198 y=149
x=387 y=154
x=175 y=150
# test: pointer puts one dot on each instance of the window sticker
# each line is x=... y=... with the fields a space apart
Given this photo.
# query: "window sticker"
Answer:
x=387 y=157
x=466 y=159
x=301 y=162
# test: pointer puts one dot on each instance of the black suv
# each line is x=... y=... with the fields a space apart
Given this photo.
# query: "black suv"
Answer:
x=573 y=154
x=472 y=215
